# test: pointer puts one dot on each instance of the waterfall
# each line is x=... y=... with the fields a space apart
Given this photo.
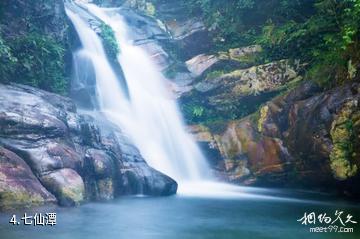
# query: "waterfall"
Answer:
x=110 y=96
x=150 y=115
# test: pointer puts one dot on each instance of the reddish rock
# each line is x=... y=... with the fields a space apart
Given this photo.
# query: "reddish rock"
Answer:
x=18 y=185
x=66 y=185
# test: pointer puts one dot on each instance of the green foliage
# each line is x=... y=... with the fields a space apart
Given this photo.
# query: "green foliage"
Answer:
x=34 y=60
x=328 y=40
x=322 y=33
x=193 y=112
x=197 y=111
x=343 y=152
x=33 y=40
x=214 y=74
x=110 y=44
x=238 y=22
x=7 y=60
x=39 y=62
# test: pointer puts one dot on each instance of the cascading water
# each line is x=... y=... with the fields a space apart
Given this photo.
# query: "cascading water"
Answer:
x=107 y=84
x=149 y=116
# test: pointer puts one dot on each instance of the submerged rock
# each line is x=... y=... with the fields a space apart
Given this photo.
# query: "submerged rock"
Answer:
x=75 y=157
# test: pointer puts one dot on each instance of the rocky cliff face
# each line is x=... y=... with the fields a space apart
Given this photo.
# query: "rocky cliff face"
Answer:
x=305 y=138
x=50 y=153
x=259 y=123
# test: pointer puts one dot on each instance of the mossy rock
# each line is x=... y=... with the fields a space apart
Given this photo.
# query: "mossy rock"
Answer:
x=66 y=185
x=262 y=117
x=19 y=197
x=344 y=132
x=19 y=188
x=105 y=189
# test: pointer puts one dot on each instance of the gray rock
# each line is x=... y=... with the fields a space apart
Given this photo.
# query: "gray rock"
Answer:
x=137 y=179
x=77 y=157
x=18 y=185
x=244 y=52
x=183 y=29
x=66 y=185
x=148 y=33
x=101 y=163
x=198 y=64
x=253 y=80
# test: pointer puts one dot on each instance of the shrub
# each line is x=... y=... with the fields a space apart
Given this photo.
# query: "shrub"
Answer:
x=35 y=60
x=110 y=43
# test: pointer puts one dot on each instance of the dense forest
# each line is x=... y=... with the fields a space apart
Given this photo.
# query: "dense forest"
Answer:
x=34 y=44
x=321 y=34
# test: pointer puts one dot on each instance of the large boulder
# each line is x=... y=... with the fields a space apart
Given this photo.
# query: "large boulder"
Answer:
x=66 y=185
x=234 y=58
x=190 y=35
x=101 y=167
x=238 y=93
x=249 y=156
x=200 y=63
x=18 y=185
x=150 y=34
x=251 y=81
x=136 y=179
x=76 y=157
x=36 y=125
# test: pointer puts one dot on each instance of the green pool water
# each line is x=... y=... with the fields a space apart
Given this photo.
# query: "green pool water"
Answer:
x=179 y=217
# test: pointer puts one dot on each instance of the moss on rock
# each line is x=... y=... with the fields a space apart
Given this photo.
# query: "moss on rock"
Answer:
x=262 y=117
x=344 y=132
x=105 y=189
x=66 y=185
x=19 y=197
x=18 y=185
x=110 y=43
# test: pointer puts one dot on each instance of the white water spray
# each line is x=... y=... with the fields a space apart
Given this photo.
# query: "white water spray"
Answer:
x=151 y=117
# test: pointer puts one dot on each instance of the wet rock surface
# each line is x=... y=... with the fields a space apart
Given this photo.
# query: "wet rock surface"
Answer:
x=66 y=184
x=18 y=185
x=235 y=94
x=66 y=155
x=293 y=140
